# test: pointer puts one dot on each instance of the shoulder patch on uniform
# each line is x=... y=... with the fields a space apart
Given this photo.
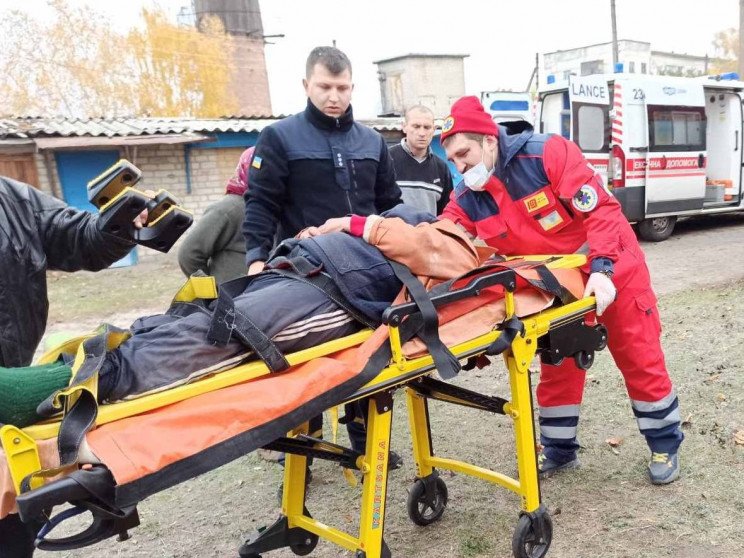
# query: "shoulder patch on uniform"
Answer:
x=256 y=164
x=585 y=199
x=447 y=125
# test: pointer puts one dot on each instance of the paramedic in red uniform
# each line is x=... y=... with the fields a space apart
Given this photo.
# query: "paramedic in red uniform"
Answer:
x=528 y=193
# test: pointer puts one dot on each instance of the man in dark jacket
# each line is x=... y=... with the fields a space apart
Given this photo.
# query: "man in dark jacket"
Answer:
x=39 y=232
x=424 y=179
x=317 y=164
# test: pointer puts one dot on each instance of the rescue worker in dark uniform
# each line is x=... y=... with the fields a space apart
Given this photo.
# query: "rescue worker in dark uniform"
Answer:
x=527 y=193
x=316 y=165
x=39 y=232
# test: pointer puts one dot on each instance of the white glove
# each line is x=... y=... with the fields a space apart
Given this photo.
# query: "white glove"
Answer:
x=603 y=290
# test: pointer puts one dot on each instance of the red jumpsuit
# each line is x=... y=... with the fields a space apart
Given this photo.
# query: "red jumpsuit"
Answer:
x=544 y=198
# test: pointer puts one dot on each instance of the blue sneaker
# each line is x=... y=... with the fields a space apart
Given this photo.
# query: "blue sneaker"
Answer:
x=663 y=468
x=546 y=467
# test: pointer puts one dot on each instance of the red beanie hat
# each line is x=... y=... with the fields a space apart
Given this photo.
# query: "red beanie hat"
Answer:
x=467 y=115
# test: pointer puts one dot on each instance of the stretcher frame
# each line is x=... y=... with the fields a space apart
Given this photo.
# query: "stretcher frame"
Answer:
x=296 y=528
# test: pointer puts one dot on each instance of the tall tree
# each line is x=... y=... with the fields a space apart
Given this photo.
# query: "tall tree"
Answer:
x=726 y=44
x=181 y=70
x=76 y=64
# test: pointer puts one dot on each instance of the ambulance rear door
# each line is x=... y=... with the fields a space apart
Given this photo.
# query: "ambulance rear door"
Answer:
x=590 y=121
x=676 y=156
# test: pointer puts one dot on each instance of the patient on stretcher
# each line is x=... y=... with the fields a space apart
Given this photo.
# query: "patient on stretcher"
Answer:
x=315 y=290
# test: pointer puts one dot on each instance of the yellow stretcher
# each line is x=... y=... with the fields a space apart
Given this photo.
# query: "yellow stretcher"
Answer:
x=559 y=331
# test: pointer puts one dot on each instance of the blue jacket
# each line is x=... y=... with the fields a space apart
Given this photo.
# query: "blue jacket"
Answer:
x=359 y=270
x=310 y=167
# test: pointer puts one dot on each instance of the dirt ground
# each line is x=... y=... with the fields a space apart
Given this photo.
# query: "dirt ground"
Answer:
x=606 y=509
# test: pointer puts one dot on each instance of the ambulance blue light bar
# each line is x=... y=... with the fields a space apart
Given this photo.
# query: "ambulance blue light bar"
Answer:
x=510 y=105
x=729 y=76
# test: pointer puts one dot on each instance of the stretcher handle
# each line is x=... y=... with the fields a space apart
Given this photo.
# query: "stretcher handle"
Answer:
x=507 y=278
x=89 y=490
x=97 y=485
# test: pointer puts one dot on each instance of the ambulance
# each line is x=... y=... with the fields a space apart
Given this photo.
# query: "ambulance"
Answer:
x=505 y=106
x=667 y=147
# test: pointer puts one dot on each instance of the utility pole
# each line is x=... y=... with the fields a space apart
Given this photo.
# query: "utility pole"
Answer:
x=741 y=39
x=615 y=55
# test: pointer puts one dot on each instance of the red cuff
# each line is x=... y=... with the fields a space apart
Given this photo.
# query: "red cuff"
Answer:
x=356 y=228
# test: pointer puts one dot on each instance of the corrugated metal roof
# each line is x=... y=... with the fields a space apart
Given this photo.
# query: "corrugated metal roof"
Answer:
x=32 y=127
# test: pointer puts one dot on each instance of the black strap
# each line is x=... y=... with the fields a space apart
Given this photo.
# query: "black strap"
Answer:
x=551 y=284
x=447 y=365
x=509 y=330
x=81 y=416
x=228 y=322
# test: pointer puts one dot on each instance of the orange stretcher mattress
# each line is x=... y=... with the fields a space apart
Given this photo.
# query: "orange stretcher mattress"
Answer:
x=153 y=451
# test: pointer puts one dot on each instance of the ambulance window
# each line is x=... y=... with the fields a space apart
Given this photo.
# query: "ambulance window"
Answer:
x=677 y=128
x=591 y=127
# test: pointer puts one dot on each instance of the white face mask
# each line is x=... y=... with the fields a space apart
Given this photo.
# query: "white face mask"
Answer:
x=477 y=177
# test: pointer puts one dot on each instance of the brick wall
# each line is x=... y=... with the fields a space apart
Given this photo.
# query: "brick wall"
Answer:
x=163 y=166
x=45 y=183
x=249 y=81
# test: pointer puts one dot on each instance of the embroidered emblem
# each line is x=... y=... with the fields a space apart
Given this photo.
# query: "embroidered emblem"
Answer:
x=449 y=122
x=256 y=164
x=536 y=202
x=551 y=220
x=585 y=199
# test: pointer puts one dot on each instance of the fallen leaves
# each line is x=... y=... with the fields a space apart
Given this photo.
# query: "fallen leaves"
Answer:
x=614 y=442
x=739 y=437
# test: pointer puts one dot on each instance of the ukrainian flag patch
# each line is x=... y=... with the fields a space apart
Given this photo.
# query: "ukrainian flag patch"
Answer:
x=551 y=220
x=256 y=164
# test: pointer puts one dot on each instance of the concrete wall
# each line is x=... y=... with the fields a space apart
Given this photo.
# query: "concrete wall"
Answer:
x=435 y=82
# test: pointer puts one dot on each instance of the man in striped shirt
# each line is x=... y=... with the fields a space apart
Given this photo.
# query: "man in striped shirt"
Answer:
x=424 y=179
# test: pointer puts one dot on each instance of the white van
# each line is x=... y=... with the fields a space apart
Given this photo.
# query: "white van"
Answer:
x=506 y=106
x=667 y=146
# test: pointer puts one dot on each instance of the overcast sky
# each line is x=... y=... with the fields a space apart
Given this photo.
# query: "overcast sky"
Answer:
x=501 y=38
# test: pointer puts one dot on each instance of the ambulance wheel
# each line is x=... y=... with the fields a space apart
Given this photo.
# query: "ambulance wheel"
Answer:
x=584 y=359
x=526 y=543
x=305 y=547
x=656 y=229
x=424 y=509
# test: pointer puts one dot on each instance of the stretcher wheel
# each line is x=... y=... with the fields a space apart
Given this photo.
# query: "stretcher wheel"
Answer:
x=526 y=543
x=602 y=330
x=307 y=546
x=426 y=507
x=584 y=359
